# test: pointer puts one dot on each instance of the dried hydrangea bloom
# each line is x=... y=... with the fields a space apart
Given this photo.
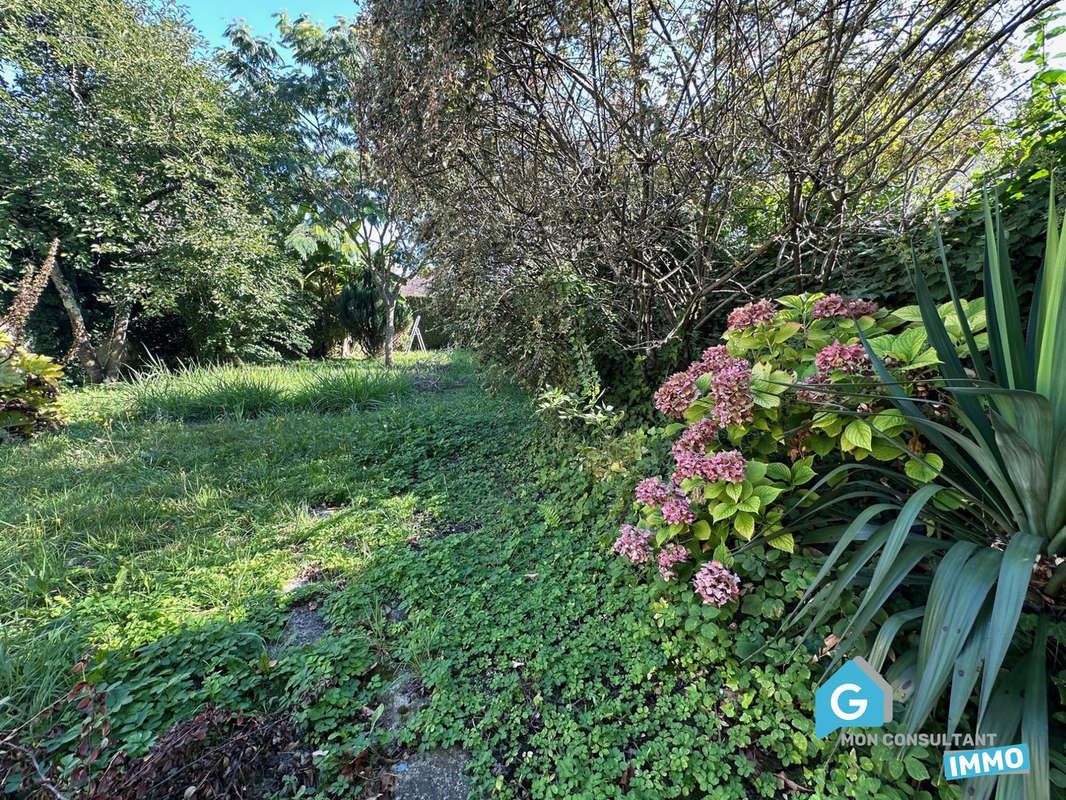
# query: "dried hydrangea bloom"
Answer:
x=834 y=305
x=677 y=394
x=715 y=358
x=653 y=492
x=697 y=436
x=814 y=395
x=729 y=466
x=669 y=557
x=761 y=311
x=716 y=584
x=633 y=543
x=731 y=394
x=677 y=511
x=847 y=358
x=689 y=463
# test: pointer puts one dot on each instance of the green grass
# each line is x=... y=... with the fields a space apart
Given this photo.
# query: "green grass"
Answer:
x=163 y=546
x=197 y=394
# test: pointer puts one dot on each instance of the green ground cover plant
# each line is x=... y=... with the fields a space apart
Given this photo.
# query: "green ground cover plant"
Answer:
x=449 y=535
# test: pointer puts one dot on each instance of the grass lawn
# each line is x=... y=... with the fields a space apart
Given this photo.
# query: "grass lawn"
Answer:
x=443 y=533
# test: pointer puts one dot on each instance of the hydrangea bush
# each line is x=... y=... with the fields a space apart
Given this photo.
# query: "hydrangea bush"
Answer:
x=789 y=394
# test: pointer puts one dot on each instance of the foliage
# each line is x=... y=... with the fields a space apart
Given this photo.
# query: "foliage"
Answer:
x=1012 y=163
x=659 y=159
x=1002 y=445
x=158 y=181
x=29 y=391
x=466 y=548
x=348 y=208
x=364 y=315
x=789 y=396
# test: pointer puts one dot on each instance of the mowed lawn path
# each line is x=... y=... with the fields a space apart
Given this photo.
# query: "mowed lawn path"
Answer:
x=437 y=531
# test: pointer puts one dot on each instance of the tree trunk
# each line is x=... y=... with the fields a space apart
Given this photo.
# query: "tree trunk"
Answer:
x=82 y=345
x=115 y=356
x=390 y=326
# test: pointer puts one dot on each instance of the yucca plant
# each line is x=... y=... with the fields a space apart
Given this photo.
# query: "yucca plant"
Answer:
x=996 y=511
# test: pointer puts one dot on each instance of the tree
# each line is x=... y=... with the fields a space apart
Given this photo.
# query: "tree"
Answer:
x=135 y=154
x=349 y=205
x=662 y=159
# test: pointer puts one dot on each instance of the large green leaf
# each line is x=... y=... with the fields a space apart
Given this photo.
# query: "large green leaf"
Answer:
x=1001 y=720
x=1029 y=413
x=1028 y=473
x=1006 y=343
x=960 y=586
x=988 y=480
x=876 y=594
x=900 y=529
x=964 y=673
x=887 y=634
x=1015 y=572
x=1055 y=517
x=1037 y=781
x=825 y=602
x=951 y=365
x=849 y=536
x=1050 y=346
x=964 y=323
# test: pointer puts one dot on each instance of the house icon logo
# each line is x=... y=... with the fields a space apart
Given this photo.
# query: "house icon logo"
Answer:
x=854 y=696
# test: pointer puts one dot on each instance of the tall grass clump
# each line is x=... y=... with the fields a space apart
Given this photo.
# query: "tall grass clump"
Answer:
x=203 y=394
x=192 y=394
x=341 y=390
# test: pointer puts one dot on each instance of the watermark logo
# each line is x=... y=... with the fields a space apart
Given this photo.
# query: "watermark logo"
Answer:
x=855 y=695
x=991 y=761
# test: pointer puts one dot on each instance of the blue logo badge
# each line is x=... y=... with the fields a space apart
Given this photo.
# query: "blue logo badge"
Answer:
x=991 y=761
x=854 y=696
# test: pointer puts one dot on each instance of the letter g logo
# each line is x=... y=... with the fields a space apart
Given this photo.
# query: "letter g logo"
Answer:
x=858 y=707
x=855 y=695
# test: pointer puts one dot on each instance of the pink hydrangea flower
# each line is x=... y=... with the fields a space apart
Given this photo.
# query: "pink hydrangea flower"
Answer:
x=678 y=512
x=716 y=358
x=677 y=394
x=834 y=305
x=848 y=358
x=731 y=394
x=669 y=557
x=689 y=463
x=653 y=492
x=746 y=316
x=716 y=584
x=697 y=436
x=729 y=466
x=813 y=395
x=633 y=543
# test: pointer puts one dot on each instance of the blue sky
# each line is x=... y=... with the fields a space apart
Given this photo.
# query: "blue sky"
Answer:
x=212 y=16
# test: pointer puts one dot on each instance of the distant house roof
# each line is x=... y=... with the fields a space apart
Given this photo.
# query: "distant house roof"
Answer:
x=418 y=286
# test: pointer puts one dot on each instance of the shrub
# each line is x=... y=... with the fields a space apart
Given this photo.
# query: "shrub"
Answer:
x=762 y=415
x=363 y=314
x=1002 y=435
x=29 y=391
